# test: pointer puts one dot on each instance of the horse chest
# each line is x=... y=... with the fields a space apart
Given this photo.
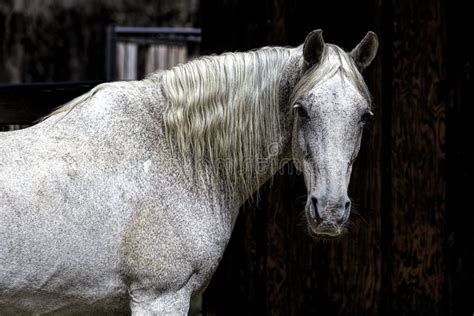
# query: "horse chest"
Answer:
x=160 y=245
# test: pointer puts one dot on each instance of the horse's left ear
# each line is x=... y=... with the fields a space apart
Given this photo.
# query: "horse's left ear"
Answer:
x=365 y=51
x=313 y=47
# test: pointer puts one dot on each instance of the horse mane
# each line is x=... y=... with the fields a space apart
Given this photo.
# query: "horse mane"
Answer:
x=223 y=111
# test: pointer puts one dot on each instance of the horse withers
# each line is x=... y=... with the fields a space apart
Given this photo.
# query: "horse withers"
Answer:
x=124 y=199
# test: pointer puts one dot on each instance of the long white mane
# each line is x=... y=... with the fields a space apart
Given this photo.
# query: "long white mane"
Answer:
x=224 y=111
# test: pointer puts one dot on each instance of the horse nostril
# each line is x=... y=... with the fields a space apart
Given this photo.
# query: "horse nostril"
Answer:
x=347 y=209
x=315 y=208
x=315 y=201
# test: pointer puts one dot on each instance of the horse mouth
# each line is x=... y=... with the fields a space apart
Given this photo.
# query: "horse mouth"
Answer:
x=325 y=230
x=325 y=235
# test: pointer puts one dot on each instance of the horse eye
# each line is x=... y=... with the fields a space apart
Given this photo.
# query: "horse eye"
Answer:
x=366 y=117
x=301 y=111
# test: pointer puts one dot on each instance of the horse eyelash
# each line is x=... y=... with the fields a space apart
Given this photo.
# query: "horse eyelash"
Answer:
x=301 y=111
x=366 y=118
x=307 y=152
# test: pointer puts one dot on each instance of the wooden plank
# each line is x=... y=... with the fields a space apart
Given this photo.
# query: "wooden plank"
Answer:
x=417 y=272
x=127 y=61
x=182 y=53
x=130 y=66
x=173 y=56
x=386 y=51
x=151 y=64
x=162 y=56
x=460 y=157
x=24 y=104
x=120 y=60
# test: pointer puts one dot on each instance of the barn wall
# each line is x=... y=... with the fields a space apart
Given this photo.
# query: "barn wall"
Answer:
x=459 y=87
x=65 y=40
x=409 y=247
x=417 y=265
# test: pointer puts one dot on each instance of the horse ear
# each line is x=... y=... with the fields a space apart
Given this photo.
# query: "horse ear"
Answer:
x=365 y=51
x=313 y=47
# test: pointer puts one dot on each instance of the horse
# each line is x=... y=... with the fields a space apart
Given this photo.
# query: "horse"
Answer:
x=124 y=199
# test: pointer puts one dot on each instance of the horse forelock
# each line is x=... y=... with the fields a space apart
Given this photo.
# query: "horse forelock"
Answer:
x=334 y=60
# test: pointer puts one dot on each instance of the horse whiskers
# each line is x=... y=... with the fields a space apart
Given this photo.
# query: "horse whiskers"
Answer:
x=301 y=198
x=359 y=216
x=301 y=221
x=351 y=226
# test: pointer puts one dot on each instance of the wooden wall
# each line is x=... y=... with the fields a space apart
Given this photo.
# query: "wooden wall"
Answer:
x=458 y=89
x=65 y=40
x=25 y=104
x=409 y=250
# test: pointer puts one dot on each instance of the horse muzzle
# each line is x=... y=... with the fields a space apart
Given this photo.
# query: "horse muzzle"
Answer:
x=327 y=219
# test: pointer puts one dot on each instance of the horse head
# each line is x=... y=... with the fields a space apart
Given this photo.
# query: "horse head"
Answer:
x=332 y=105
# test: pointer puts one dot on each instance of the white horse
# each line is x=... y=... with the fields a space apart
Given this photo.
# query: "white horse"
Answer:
x=124 y=199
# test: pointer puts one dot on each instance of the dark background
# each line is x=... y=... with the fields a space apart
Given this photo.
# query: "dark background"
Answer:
x=409 y=249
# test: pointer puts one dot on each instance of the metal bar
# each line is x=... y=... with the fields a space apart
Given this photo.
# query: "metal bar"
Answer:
x=110 y=63
x=156 y=30
x=170 y=38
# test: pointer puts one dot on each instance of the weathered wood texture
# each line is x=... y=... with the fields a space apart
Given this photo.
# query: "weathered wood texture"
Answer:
x=24 y=104
x=65 y=40
x=409 y=251
x=460 y=158
x=418 y=121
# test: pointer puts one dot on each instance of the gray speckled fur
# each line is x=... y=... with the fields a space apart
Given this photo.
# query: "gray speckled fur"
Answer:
x=97 y=216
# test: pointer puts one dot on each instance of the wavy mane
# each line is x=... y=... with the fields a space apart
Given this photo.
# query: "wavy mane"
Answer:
x=223 y=111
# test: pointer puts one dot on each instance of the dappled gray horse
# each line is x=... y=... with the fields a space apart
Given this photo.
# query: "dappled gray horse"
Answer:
x=125 y=198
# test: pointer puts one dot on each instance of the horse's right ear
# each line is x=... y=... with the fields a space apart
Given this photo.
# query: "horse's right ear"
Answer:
x=313 y=47
x=365 y=51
